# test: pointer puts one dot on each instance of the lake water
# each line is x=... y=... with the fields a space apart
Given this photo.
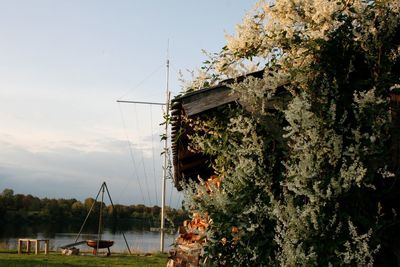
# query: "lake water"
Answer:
x=138 y=240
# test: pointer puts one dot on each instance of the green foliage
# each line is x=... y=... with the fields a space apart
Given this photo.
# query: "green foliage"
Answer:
x=20 y=209
x=244 y=157
x=305 y=182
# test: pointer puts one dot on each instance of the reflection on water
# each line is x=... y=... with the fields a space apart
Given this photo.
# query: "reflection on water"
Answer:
x=139 y=239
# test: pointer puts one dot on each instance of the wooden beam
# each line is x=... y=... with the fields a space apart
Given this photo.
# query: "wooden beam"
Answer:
x=141 y=102
x=198 y=103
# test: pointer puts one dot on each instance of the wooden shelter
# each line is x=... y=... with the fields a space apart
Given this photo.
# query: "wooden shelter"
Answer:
x=188 y=165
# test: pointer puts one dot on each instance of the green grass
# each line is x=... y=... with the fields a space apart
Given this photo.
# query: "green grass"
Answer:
x=11 y=259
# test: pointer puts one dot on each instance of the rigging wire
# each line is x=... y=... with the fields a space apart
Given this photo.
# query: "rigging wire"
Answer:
x=179 y=204
x=170 y=175
x=137 y=124
x=142 y=81
x=152 y=153
x=178 y=74
x=170 y=195
x=169 y=169
x=87 y=216
x=131 y=155
x=142 y=158
x=135 y=170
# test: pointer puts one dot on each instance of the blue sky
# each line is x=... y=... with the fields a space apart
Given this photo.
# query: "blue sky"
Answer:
x=63 y=65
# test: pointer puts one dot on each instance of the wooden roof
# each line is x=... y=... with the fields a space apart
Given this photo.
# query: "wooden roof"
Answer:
x=188 y=164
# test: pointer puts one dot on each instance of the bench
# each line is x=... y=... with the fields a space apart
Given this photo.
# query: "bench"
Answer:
x=28 y=243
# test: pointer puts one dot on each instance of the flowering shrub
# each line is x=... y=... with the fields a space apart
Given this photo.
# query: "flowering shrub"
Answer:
x=303 y=183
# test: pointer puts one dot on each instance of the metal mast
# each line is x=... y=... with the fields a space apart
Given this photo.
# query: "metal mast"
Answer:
x=165 y=167
x=164 y=178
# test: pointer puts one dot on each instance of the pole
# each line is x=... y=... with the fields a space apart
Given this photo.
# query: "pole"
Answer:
x=140 y=102
x=113 y=207
x=165 y=163
x=87 y=216
x=100 y=217
x=165 y=167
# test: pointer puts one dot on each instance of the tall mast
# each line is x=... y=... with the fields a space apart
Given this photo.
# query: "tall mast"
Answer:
x=165 y=167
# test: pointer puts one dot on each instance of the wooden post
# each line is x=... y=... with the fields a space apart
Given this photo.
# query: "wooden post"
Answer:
x=46 y=246
x=28 y=246
x=19 y=246
x=30 y=242
x=37 y=245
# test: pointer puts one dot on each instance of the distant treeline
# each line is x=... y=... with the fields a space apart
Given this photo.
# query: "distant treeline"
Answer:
x=19 y=208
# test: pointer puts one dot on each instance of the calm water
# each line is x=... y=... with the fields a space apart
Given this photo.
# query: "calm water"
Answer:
x=138 y=239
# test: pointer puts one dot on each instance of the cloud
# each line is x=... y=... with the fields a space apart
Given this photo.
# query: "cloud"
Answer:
x=72 y=170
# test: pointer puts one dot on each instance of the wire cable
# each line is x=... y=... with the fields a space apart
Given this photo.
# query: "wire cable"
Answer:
x=142 y=159
x=170 y=195
x=152 y=153
x=131 y=155
x=179 y=204
x=141 y=82
x=87 y=216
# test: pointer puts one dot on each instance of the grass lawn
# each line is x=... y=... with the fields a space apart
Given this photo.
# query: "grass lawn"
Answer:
x=11 y=258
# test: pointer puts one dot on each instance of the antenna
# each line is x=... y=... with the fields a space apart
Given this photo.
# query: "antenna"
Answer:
x=140 y=102
x=166 y=114
x=167 y=95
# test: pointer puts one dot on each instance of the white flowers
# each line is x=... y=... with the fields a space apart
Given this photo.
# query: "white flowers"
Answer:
x=305 y=160
x=365 y=99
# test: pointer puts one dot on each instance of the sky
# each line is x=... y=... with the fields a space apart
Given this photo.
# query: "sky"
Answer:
x=63 y=65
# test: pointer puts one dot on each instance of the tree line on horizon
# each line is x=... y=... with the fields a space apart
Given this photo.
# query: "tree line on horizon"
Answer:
x=20 y=209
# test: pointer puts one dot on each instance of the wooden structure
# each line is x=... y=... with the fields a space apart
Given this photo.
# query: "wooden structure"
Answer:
x=190 y=242
x=188 y=165
x=28 y=242
x=188 y=246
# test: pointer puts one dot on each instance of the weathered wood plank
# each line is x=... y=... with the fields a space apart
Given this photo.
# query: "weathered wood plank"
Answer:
x=196 y=104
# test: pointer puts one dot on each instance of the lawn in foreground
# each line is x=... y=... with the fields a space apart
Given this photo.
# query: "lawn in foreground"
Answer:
x=9 y=258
